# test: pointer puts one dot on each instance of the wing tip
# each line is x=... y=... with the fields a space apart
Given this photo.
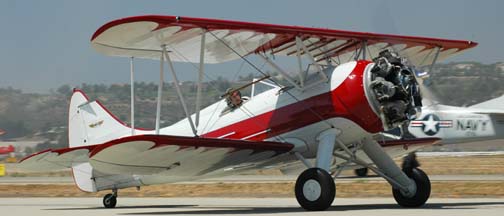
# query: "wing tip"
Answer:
x=33 y=155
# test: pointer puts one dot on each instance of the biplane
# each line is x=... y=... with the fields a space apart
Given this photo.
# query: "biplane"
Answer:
x=322 y=117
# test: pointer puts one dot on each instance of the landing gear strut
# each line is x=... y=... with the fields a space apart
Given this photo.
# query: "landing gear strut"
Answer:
x=110 y=200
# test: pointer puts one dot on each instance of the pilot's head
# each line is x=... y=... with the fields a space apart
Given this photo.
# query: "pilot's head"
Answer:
x=234 y=99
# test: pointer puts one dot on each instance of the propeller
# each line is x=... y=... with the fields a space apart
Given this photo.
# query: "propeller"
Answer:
x=422 y=77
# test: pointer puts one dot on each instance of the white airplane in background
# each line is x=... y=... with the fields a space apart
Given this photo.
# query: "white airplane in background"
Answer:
x=483 y=121
x=452 y=124
x=330 y=112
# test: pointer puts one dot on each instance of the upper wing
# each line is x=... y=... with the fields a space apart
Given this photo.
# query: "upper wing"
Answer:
x=142 y=37
x=497 y=104
x=154 y=154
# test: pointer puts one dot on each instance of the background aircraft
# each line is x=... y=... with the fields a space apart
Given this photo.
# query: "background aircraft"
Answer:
x=479 y=122
x=6 y=149
x=452 y=124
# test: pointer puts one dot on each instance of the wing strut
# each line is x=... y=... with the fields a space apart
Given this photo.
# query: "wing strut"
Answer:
x=301 y=85
x=435 y=59
x=132 y=96
x=200 y=77
x=364 y=46
x=160 y=90
x=281 y=71
x=302 y=75
x=179 y=92
x=323 y=77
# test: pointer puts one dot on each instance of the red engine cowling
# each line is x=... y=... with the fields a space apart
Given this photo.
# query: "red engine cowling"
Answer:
x=350 y=94
x=378 y=95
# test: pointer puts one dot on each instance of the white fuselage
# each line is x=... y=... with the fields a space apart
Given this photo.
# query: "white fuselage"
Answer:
x=213 y=122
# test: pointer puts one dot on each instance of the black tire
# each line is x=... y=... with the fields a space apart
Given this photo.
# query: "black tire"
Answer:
x=362 y=172
x=321 y=185
x=109 y=201
x=422 y=193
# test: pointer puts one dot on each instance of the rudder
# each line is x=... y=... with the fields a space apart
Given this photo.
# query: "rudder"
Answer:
x=90 y=123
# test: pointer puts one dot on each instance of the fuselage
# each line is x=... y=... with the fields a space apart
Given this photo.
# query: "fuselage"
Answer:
x=280 y=114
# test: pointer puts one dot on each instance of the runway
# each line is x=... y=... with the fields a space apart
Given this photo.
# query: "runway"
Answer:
x=242 y=206
x=253 y=179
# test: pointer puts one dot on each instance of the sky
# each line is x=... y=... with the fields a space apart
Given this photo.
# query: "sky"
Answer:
x=45 y=44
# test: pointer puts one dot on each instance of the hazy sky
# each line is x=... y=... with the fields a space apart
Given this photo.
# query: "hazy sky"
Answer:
x=44 y=44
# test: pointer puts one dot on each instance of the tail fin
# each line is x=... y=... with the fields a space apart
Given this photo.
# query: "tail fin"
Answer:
x=89 y=122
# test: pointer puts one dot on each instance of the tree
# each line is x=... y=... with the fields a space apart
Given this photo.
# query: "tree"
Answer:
x=64 y=90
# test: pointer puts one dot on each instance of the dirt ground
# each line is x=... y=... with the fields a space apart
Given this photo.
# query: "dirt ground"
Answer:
x=459 y=189
x=473 y=165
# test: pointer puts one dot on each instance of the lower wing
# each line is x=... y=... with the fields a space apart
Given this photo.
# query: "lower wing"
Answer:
x=160 y=154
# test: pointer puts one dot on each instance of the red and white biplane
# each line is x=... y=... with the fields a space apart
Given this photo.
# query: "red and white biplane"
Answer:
x=357 y=85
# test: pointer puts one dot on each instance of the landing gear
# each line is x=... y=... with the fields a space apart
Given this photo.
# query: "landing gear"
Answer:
x=315 y=189
x=423 y=187
x=423 y=190
x=362 y=172
x=411 y=186
x=110 y=200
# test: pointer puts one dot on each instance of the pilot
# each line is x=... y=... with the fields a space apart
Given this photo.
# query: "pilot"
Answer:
x=234 y=98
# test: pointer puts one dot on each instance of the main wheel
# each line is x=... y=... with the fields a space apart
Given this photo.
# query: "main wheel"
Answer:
x=422 y=192
x=362 y=172
x=109 y=201
x=315 y=189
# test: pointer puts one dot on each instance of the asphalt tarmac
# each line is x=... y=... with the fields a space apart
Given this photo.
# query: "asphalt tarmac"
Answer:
x=244 y=206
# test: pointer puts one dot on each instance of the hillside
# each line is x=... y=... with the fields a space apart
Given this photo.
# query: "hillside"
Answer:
x=467 y=83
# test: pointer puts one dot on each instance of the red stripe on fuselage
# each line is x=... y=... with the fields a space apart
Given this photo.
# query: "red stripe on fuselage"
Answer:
x=347 y=101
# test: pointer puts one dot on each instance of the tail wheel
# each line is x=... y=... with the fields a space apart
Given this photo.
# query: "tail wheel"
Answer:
x=109 y=201
x=362 y=172
x=422 y=192
x=315 y=189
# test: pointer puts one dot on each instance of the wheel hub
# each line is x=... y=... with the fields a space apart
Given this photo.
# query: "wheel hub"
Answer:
x=312 y=190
